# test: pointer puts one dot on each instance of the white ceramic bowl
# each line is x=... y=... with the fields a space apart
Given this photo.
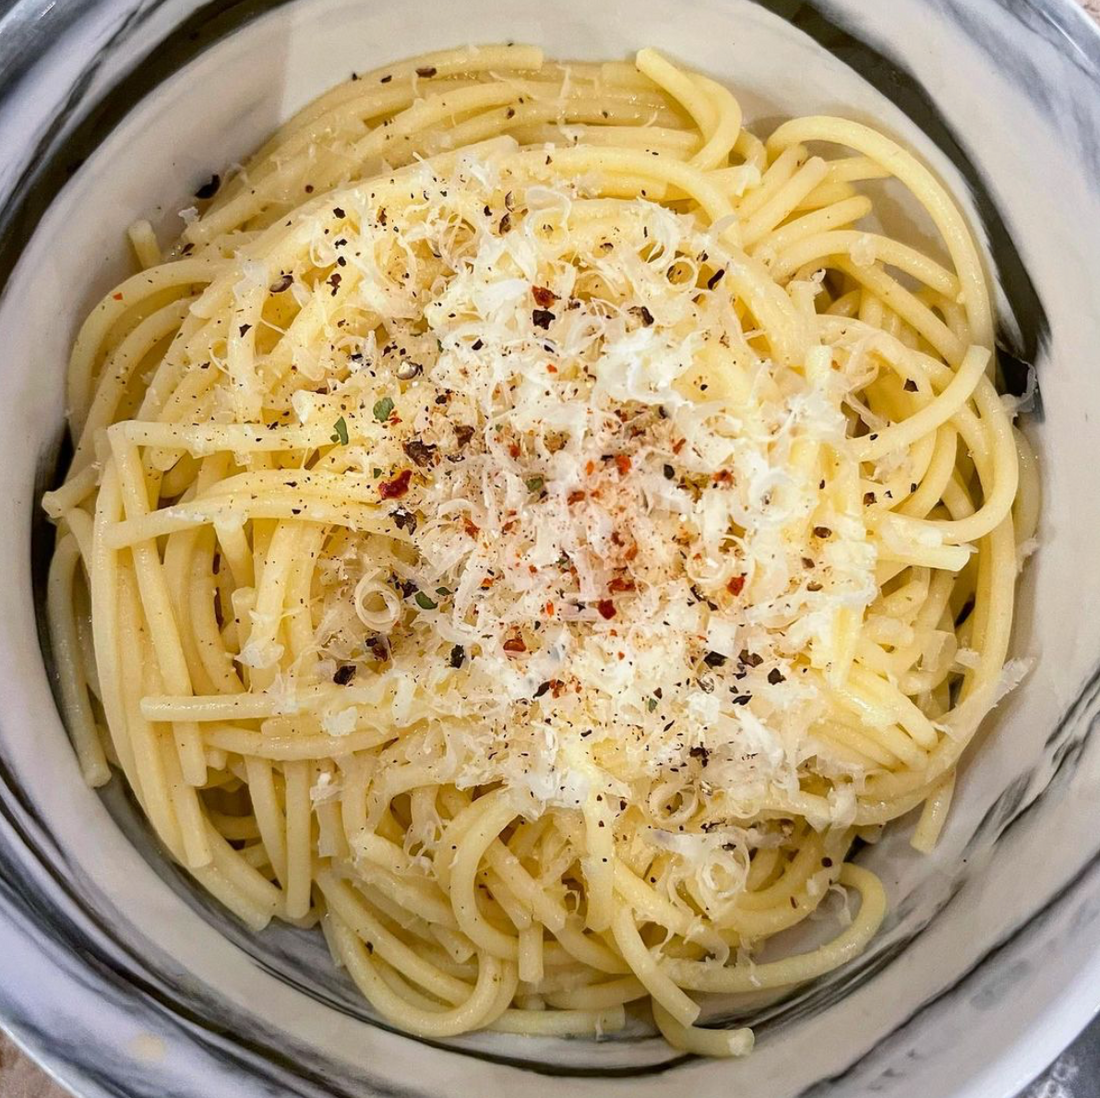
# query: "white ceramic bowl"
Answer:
x=123 y=979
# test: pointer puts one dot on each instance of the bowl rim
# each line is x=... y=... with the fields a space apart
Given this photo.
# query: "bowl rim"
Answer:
x=1049 y=1032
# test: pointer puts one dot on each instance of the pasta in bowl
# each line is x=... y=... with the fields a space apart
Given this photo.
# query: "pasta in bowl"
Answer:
x=534 y=527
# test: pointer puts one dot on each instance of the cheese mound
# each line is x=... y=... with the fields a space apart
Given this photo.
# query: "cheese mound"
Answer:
x=617 y=562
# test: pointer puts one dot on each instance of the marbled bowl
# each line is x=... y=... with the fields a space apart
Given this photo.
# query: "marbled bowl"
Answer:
x=124 y=980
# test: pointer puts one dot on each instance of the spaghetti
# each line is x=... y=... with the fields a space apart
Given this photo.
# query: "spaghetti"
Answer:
x=531 y=526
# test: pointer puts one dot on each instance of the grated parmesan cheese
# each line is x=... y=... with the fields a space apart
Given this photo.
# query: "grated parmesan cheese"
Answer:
x=611 y=549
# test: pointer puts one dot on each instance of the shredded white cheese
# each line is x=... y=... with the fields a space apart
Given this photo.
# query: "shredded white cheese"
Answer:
x=611 y=546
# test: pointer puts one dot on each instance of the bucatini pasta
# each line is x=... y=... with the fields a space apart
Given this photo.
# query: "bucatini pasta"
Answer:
x=530 y=525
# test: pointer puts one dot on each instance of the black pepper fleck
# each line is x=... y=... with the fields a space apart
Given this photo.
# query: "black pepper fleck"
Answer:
x=210 y=188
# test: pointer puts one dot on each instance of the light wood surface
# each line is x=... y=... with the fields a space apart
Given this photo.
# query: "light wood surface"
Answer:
x=20 y=1078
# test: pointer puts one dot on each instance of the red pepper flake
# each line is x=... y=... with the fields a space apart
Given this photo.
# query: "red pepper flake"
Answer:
x=472 y=531
x=618 y=585
x=574 y=497
x=606 y=608
x=551 y=368
x=678 y=446
x=723 y=476
x=622 y=463
x=514 y=646
x=117 y=297
x=631 y=553
x=549 y=609
x=396 y=488
x=590 y=468
x=736 y=585
x=514 y=450
x=544 y=298
x=488 y=582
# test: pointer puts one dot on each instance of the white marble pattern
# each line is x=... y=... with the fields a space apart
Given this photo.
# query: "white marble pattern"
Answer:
x=1019 y=1009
